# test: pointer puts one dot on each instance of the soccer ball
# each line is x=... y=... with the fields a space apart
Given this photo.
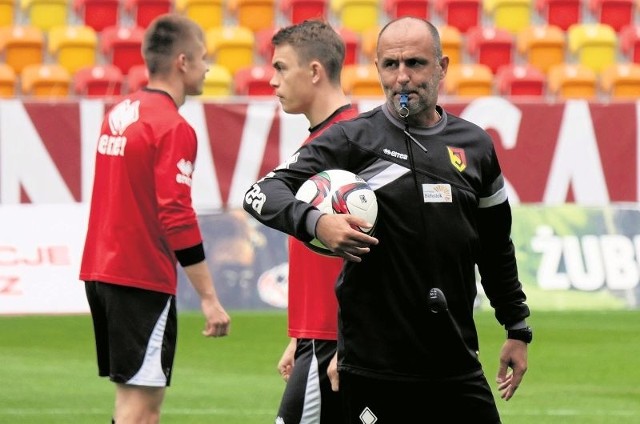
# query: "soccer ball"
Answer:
x=337 y=191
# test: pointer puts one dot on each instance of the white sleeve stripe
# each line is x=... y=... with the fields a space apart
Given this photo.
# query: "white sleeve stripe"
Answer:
x=496 y=198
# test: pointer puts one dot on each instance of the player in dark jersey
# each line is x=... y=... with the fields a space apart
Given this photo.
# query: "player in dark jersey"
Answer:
x=142 y=223
x=308 y=60
x=407 y=341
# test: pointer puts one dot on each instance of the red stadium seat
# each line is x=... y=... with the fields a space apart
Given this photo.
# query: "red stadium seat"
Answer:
x=490 y=46
x=630 y=42
x=297 y=11
x=137 y=78
x=97 y=14
x=560 y=13
x=145 y=11
x=351 y=45
x=98 y=80
x=462 y=14
x=397 y=8
x=616 y=13
x=122 y=46
x=264 y=49
x=520 y=80
x=254 y=81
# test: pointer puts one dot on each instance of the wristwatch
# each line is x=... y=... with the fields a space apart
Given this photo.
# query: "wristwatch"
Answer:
x=522 y=334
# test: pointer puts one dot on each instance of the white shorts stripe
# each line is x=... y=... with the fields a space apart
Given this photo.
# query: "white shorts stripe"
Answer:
x=151 y=373
x=312 y=401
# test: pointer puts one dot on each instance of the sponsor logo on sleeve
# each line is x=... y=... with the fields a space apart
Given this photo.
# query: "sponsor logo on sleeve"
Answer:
x=185 y=169
x=121 y=116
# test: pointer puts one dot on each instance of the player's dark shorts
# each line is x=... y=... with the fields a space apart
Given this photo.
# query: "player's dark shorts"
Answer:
x=367 y=400
x=308 y=398
x=135 y=333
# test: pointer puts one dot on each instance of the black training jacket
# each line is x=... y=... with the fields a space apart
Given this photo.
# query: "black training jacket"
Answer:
x=434 y=226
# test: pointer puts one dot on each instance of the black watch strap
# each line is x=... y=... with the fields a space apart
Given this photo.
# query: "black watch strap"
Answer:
x=522 y=334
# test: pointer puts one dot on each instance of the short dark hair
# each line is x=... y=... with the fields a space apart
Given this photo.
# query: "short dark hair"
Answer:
x=315 y=40
x=437 y=44
x=165 y=37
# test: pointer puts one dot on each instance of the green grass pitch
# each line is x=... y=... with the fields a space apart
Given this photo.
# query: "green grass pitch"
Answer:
x=584 y=367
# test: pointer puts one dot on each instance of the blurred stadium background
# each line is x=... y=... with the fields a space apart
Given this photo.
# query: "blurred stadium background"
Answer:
x=555 y=82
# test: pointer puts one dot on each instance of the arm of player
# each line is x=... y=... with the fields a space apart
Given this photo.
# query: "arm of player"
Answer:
x=287 y=361
x=513 y=355
x=217 y=321
x=338 y=233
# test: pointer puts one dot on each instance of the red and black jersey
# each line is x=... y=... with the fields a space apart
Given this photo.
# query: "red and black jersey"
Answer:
x=313 y=309
x=141 y=211
x=442 y=211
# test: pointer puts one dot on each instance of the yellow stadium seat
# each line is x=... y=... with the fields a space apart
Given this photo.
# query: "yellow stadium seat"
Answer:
x=46 y=14
x=542 y=45
x=451 y=40
x=361 y=80
x=74 y=46
x=572 y=81
x=357 y=15
x=22 y=46
x=7 y=81
x=469 y=80
x=256 y=14
x=231 y=46
x=594 y=44
x=511 y=15
x=7 y=12
x=207 y=13
x=45 y=80
x=621 y=80
x=218 y=82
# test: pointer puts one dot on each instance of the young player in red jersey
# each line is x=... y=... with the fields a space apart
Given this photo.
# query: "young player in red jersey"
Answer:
x=142 y=222
x=308 y=61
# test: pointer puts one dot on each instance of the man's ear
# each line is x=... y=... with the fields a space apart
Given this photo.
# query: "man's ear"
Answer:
x=181 y=61
x=316 y=69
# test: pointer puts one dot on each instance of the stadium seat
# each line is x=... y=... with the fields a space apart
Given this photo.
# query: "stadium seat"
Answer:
x=218 y=82
x=99 y=80
x=572 y=81
x=145 y=11
x=206 y=13
x=22 y=46
x=621 y=81
x=263 y=47
x=231 y=46
x=256 y=14
x=122 y=46
x=490 y=46
x=451 y=40
x=630 y=42
x=369 y=42
x=510 y=15
x=8 y=11
x=73 y=46
x=296 y=11
x=560 y=13
x=594 y=45
x=8 y=81
x=462 y=14
x=357 y=15
x=97 y=14
x=397 y=8
x=361 y=80
x=469 y=80
x=542 y=45
x=45 y=80
x=351 y=45
x=45 y=14
x=137 y=78
x=254 y=81
x=616 y=13
x=520 y=80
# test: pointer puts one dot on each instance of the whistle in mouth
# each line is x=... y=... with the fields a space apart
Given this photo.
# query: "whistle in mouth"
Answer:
x=404 y=108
